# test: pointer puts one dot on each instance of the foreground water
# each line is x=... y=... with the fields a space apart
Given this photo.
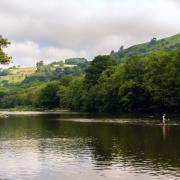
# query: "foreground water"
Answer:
x=54 y=146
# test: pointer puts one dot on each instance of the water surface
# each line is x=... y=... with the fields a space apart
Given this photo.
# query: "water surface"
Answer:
x=55 y=146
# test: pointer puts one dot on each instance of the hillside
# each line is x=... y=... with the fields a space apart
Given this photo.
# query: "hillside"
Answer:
x=15 y=75
x=42 y=72
x=147 y=48
x=140 y=85
x=75 y=66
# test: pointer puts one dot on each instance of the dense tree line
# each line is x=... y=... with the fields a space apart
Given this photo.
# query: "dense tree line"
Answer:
x=141 y=84
x=76 y=61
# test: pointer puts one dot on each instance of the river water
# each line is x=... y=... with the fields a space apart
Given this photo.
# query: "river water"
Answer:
x=83 y=147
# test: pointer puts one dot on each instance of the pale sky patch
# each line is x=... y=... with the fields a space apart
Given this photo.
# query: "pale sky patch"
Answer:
x=58 y=29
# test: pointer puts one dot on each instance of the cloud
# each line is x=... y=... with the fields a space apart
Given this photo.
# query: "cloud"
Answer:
x=54 y=29
x=28 y=53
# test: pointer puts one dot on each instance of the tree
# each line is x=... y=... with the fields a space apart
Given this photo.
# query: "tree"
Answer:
x=112 y=52
x=75 y=61
x=4 y=58
x=162 y=80
x=97 y=66
x=49 y=95
x=39 y=64
x=121 y=49
x=75 y=95
x=153 y=40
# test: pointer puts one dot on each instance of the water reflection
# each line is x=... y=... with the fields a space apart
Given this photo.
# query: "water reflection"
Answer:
x=48 y=147
x=164 y=132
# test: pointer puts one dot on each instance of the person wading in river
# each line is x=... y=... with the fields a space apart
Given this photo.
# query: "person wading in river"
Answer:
x=164 y=119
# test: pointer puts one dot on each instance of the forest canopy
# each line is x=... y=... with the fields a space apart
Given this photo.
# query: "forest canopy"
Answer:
x=142 y=84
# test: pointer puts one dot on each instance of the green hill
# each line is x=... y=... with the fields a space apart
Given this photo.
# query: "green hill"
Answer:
x=147 y=48
x=75 y=66
x=42 y=72
x=15 y=75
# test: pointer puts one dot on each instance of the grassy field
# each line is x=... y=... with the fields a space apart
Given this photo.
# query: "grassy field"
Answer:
x=12 y=78
x=148 y=47
x=69 y=65
x=159 y=44
x=17 y=75
x=24 y=70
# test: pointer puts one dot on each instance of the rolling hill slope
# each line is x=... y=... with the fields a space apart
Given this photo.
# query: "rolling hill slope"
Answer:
x=147 y=48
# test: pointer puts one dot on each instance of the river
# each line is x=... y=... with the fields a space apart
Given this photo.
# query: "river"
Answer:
x=82 y=147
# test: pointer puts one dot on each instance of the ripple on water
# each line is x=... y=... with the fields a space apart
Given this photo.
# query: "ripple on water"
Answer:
x=80 y=148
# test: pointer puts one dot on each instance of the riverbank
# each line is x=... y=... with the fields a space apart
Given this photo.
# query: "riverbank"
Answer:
x=23 y=108
x=92 y=115
x=5 y=112
x=31 y=109
x=3 y=115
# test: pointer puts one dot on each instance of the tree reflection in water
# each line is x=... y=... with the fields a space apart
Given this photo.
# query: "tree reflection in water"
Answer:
x=142 y=148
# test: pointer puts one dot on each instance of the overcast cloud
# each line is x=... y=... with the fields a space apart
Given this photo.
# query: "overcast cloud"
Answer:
x=57 y=29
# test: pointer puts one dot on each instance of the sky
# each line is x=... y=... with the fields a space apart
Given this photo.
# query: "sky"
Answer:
x=52 y=30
